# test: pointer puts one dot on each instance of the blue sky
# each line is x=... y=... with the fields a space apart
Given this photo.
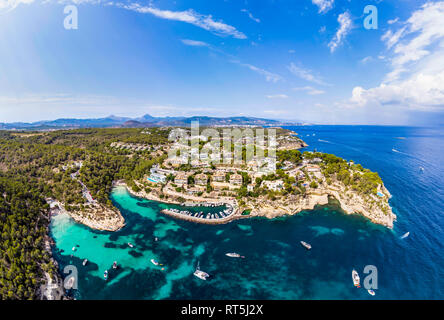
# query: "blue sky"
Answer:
x=309 y=60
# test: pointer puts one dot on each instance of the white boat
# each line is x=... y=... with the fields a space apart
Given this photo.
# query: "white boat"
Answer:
x=355 y=277
x=115 y=265
x=234 y=255
x=405 y=235
x=85 y=262
x=130 y=245
x=154 y=262
x=306 y=245
x=105 y=275
x=200 y=274
x=74 y=248
x=371 y=292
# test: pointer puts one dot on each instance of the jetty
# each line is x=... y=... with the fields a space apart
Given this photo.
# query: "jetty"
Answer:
x=220 y=217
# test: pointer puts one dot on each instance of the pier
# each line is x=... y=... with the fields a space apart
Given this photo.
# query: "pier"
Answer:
x=220 y=217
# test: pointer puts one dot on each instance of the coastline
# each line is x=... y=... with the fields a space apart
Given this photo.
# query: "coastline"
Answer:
x=349 y=202
x=151 y=196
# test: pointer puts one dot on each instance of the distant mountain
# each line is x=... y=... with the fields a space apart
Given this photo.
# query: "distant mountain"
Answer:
x=143 y=121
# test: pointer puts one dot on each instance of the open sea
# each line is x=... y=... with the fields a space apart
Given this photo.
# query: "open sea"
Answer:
x=276 y=266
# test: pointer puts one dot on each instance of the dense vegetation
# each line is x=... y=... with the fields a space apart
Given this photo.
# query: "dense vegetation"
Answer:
x=352 y=175
x=23 y=221
x=36 y=165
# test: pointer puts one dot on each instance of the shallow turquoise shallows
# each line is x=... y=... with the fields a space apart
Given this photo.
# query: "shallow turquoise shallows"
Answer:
x=276 y=266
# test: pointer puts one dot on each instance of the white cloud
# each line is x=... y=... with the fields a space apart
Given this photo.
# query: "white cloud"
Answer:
x=393 y=21
x=366 y=59
x=12 y=4
x=345 y=25
x=416 y=55
x=391 y=38
x=269 y=76
x=189 y=16
x=305 y=74
x=323 y=5
x=277 y=96
x=310 y=90
x=251 y=16
x=424 y=28
x=194 y=43
x=421 y=91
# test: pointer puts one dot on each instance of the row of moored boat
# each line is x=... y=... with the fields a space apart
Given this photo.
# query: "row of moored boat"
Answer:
x=203 y=215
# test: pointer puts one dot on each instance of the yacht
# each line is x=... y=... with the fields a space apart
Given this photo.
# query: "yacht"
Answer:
x=105 y=275
x=306 y=245
x=85 y=262
x=234 y=255
x=115 y=265
x=200 y=274
x=371 y=292
x=154 y=262
x=355 y=277
x=130 y=245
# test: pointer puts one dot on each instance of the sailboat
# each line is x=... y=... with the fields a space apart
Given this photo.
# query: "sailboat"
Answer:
x=200 y=274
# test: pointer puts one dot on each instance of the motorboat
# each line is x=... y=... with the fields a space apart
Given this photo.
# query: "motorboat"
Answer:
x=355 y=277
x=154 y=262
x=306 y=245
x=234 y=255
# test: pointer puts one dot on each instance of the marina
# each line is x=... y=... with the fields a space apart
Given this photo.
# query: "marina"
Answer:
x=211 y=213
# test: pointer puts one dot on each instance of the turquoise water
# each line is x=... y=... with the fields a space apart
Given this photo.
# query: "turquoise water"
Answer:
x=276 y=266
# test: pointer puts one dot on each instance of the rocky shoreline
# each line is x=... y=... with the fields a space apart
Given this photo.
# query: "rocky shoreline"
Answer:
x=350 y=202
x=110 y=220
